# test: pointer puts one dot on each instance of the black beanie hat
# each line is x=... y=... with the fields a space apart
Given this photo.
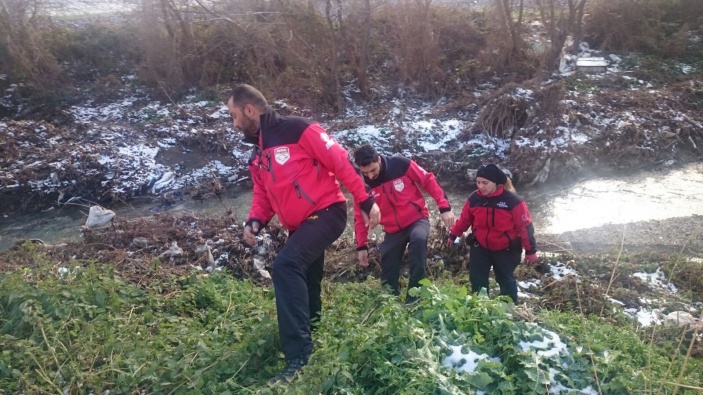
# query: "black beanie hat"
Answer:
x=492 y=173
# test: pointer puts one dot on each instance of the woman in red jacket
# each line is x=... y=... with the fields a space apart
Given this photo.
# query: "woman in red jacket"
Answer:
x=501 y=227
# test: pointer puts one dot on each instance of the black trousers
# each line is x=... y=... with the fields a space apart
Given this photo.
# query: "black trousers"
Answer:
x=503 y=262
x=297 y=276
x=414 y=237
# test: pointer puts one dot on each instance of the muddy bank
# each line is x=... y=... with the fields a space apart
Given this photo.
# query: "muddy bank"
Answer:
x=681 y=236
x=131 y=146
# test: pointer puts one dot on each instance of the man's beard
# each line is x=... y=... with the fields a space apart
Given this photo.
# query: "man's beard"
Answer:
x=250 y=127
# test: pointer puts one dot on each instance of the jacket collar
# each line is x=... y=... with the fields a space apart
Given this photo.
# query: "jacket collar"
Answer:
x=384 y=167
x=497 y=192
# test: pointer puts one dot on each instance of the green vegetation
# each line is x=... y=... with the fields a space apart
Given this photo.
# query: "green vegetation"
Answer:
x=85 y=329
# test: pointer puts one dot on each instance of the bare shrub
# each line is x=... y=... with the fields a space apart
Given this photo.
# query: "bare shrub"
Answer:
x=461 y=44
x=505 y=46
x=186 y=45
x=549 y=99
x=414 y=44
x=623 y=25
x=361 y=47
x=655 y=27
x=28 y=56
x=311 y=45
x=247 y=42
x=168 y=45
x=504 y=112
x=309 y=50
x=675 y=47
x=684 y=11
x=93 y=50
x=514 y=106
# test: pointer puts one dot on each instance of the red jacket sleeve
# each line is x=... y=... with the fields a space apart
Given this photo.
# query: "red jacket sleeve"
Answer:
x=429 y=183
x=463 y=223
x=261 y=208
x=360 y=230
x=332 y=156
x=524 y=228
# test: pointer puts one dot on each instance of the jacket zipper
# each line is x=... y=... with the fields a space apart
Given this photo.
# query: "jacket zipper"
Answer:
x=299 y=191
x=268 y=156
x=395 y=213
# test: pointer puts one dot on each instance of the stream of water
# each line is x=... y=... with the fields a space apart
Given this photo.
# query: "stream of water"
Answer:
x=651 y=195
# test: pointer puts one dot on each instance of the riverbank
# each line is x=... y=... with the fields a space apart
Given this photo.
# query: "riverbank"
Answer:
x=133 y=146
x=676 y=237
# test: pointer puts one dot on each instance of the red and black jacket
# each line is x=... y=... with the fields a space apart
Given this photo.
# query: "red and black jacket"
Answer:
x=498 y=221
x=398 y=195
x=294 y=167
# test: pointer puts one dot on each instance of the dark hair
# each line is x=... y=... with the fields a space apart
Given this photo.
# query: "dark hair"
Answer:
x=365 y=155
x=492 y=173
x=244 y=94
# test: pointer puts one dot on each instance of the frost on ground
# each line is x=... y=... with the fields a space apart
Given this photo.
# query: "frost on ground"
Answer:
x=134 y=145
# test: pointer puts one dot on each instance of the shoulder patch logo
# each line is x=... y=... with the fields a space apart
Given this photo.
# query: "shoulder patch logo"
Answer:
x=502 y=205
x=398 y=185
x=282 y=154
x=328 y=141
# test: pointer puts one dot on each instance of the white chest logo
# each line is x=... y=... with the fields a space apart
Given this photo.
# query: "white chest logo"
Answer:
x=282 y=155
x=398 y=185
x=328 y=141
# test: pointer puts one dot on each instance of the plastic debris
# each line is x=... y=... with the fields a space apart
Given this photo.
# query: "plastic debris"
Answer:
x=99 y=217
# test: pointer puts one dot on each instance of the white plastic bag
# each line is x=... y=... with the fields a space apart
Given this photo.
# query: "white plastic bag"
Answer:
x=99 y=217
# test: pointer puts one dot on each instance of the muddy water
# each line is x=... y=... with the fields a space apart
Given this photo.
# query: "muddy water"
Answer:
x=594 y=210
x=62 y=224
x=643 y=197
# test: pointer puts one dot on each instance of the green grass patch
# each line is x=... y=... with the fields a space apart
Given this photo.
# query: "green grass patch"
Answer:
x=87 y=330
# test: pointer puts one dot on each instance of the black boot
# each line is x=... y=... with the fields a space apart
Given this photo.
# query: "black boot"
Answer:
x=292 y=367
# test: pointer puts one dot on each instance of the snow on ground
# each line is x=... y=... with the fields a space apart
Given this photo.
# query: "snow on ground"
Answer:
x=657 y=279
x=132 y=143
x=544 y=345
x=650 y=310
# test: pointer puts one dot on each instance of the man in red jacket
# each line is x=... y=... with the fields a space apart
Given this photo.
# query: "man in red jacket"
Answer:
x=395 y=183
x=293 y=167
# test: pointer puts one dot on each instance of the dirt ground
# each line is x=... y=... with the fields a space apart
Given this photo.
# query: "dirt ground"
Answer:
x=675 y=236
